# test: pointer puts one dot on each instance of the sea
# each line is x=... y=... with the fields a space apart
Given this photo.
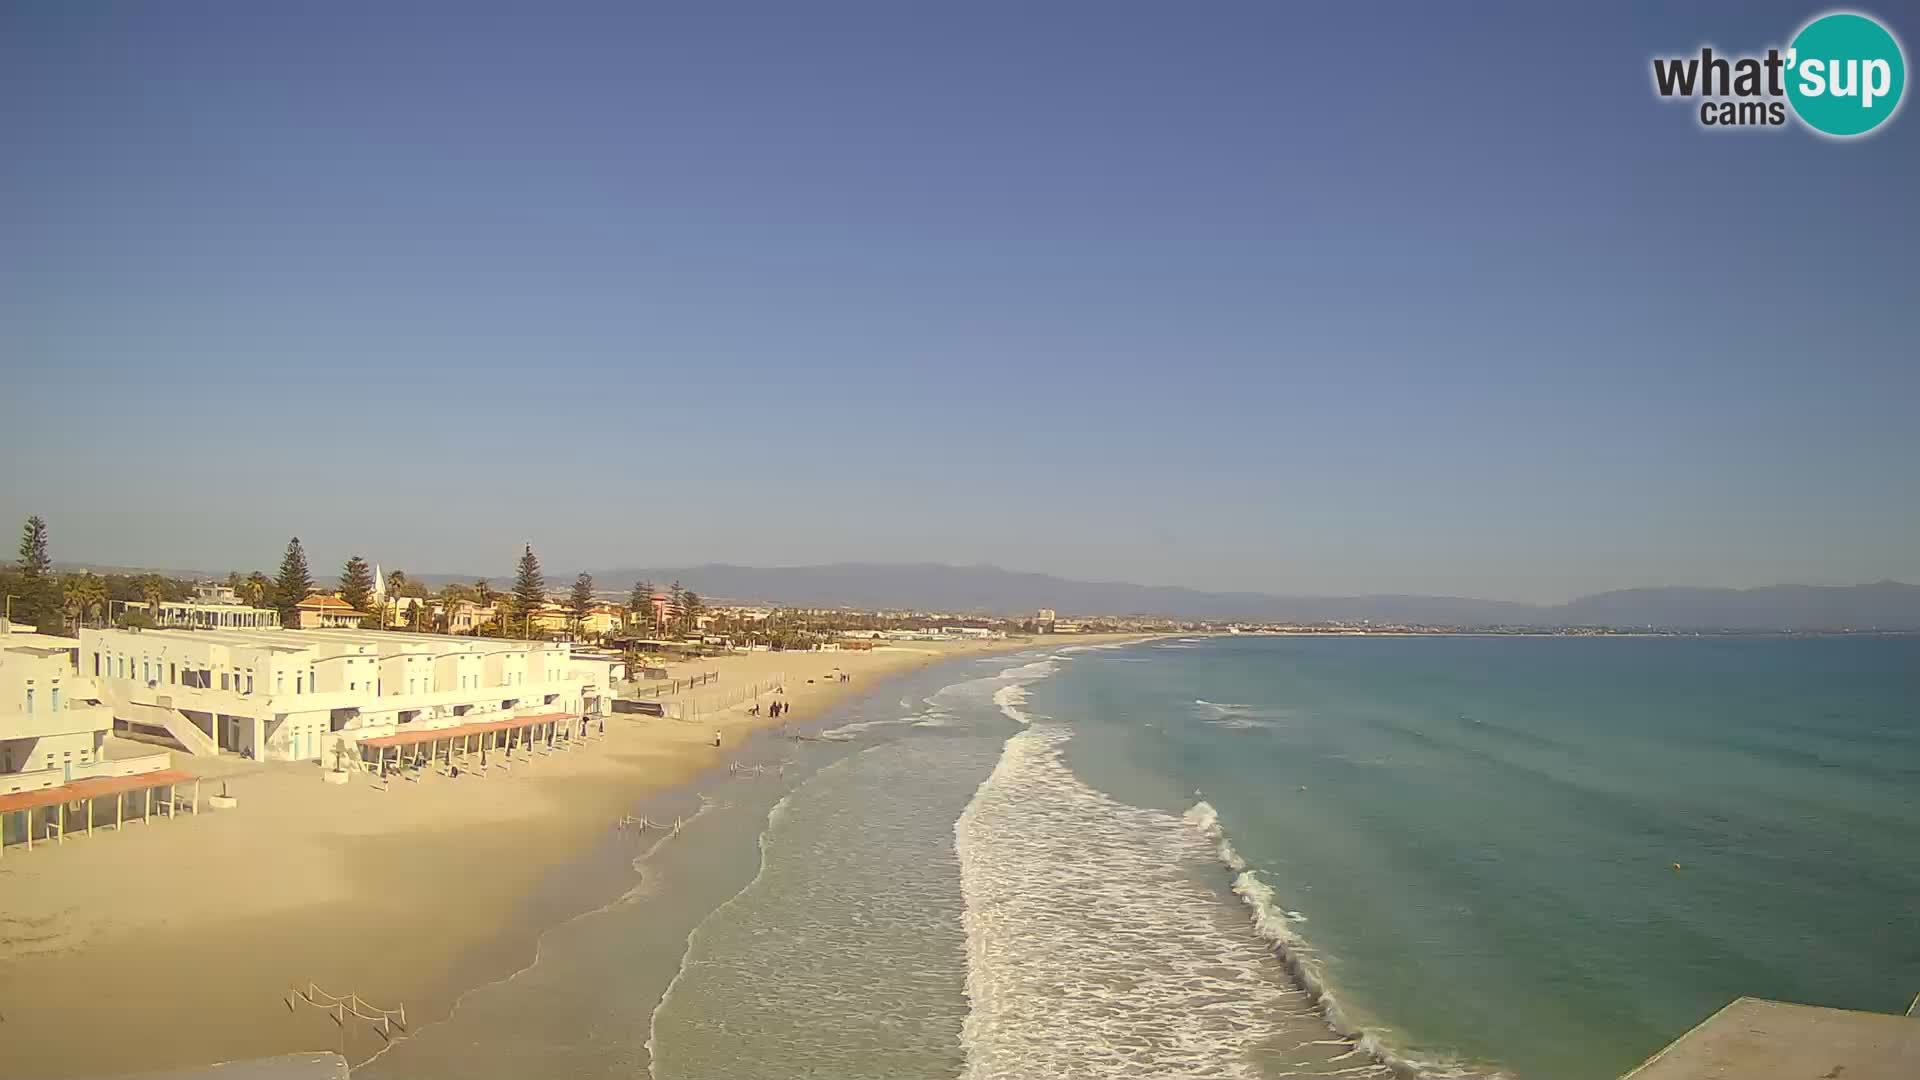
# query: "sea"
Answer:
x=1251 y=856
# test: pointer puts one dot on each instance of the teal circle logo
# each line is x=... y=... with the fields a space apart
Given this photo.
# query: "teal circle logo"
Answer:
x=1845 y=73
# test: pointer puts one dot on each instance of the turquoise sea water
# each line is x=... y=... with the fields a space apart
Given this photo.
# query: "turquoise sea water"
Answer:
x=1479 y=833
x=1261 y=857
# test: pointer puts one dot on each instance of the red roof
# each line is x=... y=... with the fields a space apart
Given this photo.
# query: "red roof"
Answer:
x=320 y=602
x=91 y=788
x=411 y=738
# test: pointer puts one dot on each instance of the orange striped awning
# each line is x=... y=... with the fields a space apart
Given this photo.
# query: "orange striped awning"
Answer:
x=91 y=788
x=413 y=738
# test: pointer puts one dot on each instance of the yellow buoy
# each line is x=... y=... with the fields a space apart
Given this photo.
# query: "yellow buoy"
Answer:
x=1676 y=866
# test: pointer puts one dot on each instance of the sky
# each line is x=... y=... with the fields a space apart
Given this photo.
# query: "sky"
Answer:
x=1334 y=299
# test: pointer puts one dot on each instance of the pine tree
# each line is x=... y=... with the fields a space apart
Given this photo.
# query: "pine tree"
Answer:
x=690 y=610
x=356 y=585
x=582 y=599
x=529 y=590
x=640 y=605
x=676 y=605
x=39 y=601
x=293 y=584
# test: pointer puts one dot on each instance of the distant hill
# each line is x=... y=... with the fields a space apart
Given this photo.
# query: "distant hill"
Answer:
x=1887 y=605
x=1884 y=605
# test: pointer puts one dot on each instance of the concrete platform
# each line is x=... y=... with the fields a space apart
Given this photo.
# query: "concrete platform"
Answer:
x=1756 y=1039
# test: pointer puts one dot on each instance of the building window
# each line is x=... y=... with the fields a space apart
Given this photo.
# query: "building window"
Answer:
x=173 y=673
x=29 y=699
x=56 y=699
x=223 y=681
x=249 y=682
x=96 y=665
x=297 y=685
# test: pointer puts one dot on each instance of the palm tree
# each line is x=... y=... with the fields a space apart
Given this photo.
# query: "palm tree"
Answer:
x=84 y=594
x=254 y=590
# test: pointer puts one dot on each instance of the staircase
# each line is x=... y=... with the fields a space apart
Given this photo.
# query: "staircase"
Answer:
x=174 y=722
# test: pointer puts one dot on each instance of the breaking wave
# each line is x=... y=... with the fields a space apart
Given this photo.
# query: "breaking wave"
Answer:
x=1095 y=947
x=1275 y=923
x=1236 y=716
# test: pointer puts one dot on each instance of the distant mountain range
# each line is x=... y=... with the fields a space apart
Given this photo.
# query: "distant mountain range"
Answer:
x=1885 y=605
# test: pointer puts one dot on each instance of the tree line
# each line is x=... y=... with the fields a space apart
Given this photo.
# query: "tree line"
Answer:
x=36 y=594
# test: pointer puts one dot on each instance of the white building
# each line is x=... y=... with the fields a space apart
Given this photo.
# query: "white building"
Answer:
x=207 y=615
x=51 y=722
x=290 y=695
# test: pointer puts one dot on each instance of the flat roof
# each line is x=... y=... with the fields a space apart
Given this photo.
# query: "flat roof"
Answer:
x=91 y=788
x=1757 y=1039
x=411 y=738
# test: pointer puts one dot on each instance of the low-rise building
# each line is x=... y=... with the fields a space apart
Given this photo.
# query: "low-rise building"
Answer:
x=207 y=615
x=602 y=620
x=51 y=721
x=551 y=620
x=406 y=611
x=303 y=694
x=323 y=612
x=468 y=616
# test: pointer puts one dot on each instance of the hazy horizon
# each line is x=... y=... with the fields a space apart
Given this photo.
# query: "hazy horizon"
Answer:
x=1111 y=292
x=559 y=578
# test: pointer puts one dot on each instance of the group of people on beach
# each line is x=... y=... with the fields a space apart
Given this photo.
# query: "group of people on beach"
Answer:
x=778 y=708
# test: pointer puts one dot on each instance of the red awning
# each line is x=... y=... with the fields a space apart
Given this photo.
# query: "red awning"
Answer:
x=91 y=788
x=412 y=738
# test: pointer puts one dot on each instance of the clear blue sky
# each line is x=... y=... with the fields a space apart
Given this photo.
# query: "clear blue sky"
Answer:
x=1384 y=299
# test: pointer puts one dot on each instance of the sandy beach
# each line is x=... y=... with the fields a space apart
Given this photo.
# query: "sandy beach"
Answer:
x=176 y=943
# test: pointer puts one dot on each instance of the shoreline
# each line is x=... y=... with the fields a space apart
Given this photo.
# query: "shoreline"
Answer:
x=187 y=935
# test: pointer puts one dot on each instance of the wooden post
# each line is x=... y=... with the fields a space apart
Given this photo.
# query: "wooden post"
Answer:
x=29 y=813
x=89 y=815
x=147 y=815
x=119 y=811
x=196 y=796
x=63 y=821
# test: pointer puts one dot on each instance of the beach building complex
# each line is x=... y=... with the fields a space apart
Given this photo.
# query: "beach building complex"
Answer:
x=51 y=721
x=291 y=695
x=55 y=775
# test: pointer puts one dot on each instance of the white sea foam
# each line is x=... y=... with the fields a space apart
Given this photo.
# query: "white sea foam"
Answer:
x=1031 y=671
x=1010 y=698
x=858 y=726
x=1095 y=949
x=1271 y=921
x=1235 y=716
